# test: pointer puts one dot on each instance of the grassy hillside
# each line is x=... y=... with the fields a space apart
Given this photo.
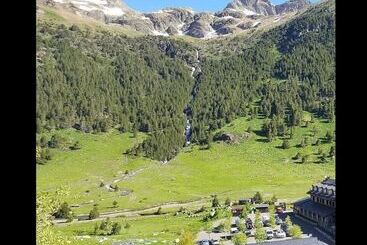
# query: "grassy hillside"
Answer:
x=227 y=170
x=152 y=230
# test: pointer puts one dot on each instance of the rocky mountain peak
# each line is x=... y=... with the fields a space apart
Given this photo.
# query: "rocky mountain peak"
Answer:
x=252 y=7
x=292 y=5
x=239 y=15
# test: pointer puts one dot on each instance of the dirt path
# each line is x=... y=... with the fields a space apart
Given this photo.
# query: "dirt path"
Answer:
x=125 y=177
x=134 y=213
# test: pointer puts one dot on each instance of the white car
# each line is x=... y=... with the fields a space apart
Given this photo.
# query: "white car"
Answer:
x=234 y=230
x=269 y=234
x=280 y=234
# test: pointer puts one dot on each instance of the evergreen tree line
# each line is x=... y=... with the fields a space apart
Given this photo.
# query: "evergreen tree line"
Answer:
x=290 y=69
x=97 y=80
x=94 y=82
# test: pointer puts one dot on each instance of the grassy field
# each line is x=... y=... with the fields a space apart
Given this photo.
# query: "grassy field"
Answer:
x=142 y=230
x=226 y=170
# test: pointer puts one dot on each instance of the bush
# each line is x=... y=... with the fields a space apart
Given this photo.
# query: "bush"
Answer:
x=116 y=228
x=227 y=202
x=332 y=151
x=260 y=235
x=43 y=142
x=115 y=204
x=286 y=144
x=127 y=226
x=94 y=213
x=241 y=225
x=76 y=146
x=215 y=202
x=329 y=137
x=273 y=199
x=186 y=238
x=57 y=141
x=107 y=228
x=295 y=231
x=63 y=212
x=288 y=221
x=258 y=198
x=239 y=239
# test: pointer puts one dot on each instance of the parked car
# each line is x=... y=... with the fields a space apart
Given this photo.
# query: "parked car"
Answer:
x=249 y=224
x=269 y=234
x=280 y=234
x=215 y=242
x=205 y=242
x=234 y=230
x=250 y=233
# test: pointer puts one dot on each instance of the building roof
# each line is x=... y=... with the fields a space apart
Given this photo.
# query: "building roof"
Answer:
x=304 y=241
x=329 y=181
x=325 y=189
x=320 y=209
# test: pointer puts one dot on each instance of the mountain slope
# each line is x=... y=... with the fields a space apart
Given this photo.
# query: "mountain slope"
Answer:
x=88 y=80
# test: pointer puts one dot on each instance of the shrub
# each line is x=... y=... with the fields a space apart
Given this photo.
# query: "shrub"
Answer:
x=329 y=137
x=286 y=144
x=260 y=235
x=116 y=228
x=332 y=151
x=94 y=213
x=241 y=225
x=273 y=199
x=63 y=212
x=43 y=141
x=115 y=204
x=76 y=146
x=227 y=202
x=295 y=231
x=239 y=239
x=186 y=238
x=258 y=198
x=215 y=202
x=58 y=141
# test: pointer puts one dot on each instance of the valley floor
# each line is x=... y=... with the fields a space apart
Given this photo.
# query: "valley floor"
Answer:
x=232 y=171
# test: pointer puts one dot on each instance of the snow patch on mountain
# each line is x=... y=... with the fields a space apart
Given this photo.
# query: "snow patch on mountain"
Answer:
x=114 y=11
x=159 y=33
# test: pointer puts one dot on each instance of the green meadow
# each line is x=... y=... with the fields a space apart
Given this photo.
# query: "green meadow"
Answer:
x=228 y=170
x=142 y=230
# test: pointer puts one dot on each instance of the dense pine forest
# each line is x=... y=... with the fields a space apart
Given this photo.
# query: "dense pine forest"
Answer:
x=290 y=69
x=98 y=80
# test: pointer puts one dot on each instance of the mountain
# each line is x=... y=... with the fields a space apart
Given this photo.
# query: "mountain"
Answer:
x=239 y=15
x=88 y=79
x=252 y=7
x=292 y=5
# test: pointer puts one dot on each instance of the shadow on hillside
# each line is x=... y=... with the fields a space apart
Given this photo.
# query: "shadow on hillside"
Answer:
x=262 y=140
